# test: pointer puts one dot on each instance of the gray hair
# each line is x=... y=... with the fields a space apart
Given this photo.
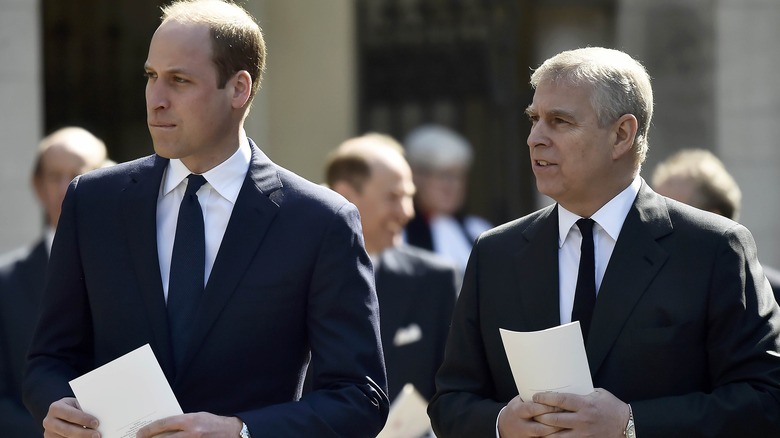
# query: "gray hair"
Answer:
x=437 y=147
x=620 y=85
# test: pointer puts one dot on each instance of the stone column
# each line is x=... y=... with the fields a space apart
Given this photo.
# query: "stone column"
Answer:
x=748 y=113
x=307 y=103
x=675 y=42
x=21 y=121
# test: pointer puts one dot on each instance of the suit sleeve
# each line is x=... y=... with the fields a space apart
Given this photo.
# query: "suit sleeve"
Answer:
x=742 y=349
x=61 y=348
x=348 y=382
x=462 y=406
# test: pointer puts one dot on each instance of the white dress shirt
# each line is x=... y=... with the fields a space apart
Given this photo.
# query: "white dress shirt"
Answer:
x=609 y=221
x=48 y=238
x=217 y=198
x=450 y=241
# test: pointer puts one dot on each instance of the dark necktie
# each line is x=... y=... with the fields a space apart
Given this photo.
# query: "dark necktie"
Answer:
x=188 y=264
x=585 y=294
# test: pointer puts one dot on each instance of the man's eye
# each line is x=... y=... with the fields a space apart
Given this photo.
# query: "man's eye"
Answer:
x=149 y=75
x=179 y=80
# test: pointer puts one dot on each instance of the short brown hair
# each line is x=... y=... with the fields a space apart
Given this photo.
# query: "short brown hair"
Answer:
x=236 y=38
x=714 y=187
x=350 y=162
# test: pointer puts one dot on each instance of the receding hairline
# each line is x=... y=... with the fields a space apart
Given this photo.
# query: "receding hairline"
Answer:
x=372 y=149
x=210 y=12
x=75 y=140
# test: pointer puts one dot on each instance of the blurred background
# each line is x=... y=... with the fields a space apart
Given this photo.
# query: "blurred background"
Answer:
x=339 y=68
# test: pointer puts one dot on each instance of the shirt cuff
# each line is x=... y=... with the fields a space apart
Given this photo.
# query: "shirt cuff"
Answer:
x=499 y=414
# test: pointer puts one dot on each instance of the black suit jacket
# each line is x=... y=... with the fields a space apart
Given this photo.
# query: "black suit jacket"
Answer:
x=21 y=286
x=685 y=327
x=416 y=291
x=773 y=275
x=291 y=281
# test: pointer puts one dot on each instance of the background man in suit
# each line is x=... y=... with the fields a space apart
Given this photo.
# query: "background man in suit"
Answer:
x=275 y=276
x=416 y=288
x=62 y=155
x=683 y=334
x=441 y=160
x=698 y=178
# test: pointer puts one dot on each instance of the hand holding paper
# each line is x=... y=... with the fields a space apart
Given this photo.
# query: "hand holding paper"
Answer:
x=126 y=394
x=548 y=360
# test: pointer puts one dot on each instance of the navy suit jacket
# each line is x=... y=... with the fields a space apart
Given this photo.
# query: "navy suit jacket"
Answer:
x=291 y=283
x=21 y=286
x=685 y=327
x=416 y=290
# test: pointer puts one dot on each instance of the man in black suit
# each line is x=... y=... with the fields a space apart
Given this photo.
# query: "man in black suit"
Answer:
x=274 y=277
x=416 y=288
x=62 y=155
x=682 y=337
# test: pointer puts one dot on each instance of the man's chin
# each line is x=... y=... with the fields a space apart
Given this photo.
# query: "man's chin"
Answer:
x=165 y=150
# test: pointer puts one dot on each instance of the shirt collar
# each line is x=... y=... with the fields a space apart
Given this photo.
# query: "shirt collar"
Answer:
x=610 y=217
x=48 y=236
x=226 y=178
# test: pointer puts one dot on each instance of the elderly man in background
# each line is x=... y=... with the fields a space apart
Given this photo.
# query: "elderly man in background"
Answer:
x=62 y=156
x=441 y=159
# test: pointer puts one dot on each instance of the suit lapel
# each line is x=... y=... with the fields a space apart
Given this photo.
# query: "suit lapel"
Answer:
x=389 y=314
x=394 y=293
x=634 y=263
x=251 y=217
x=139 y=213
x=536 y=270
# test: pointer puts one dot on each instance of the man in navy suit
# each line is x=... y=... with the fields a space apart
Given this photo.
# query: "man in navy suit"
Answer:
x=416 y=288
x=287 y=283
x=683 y=333
x=62 y=155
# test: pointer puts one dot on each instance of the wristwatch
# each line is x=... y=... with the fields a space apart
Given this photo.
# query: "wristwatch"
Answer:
x=244 y=431
x=630 y=432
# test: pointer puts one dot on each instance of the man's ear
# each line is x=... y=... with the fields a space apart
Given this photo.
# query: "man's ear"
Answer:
x=625 y=133
x=242 y=87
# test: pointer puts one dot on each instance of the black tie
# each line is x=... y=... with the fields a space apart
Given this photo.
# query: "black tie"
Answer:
x=188 y=264
x=585 y=294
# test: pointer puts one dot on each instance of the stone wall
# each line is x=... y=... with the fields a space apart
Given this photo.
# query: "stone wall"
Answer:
x=21 y=120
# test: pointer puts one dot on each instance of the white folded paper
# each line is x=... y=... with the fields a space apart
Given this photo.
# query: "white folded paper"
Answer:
x=408 y=417
x=126 y=394
x=548 y=360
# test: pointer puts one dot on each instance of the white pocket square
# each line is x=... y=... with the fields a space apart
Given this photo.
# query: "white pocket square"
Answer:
x=407 y=335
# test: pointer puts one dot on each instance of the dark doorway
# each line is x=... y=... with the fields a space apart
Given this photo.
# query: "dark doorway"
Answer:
x=460 y=63
x=94 y=51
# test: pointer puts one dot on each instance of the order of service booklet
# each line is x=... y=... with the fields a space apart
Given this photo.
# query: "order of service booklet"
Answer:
x=553 y=360
x=126 y=394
